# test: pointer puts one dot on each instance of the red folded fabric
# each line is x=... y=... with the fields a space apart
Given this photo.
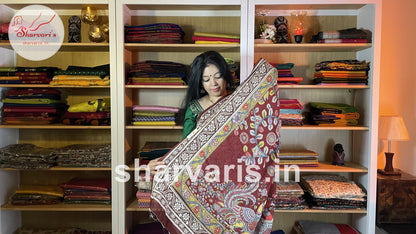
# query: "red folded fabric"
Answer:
x=88 y=184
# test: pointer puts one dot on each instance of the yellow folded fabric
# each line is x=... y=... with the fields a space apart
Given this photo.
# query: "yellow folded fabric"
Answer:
x=80 y=82
x=40 y=189
x=154 y=123
x=205 y=34
x=79 y=77
x=215 y=42
x=91 y=106
x=9 y=78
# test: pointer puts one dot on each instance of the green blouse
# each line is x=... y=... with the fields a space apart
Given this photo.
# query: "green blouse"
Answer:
x=191 y=116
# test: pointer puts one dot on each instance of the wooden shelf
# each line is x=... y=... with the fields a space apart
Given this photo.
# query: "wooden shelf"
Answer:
x=62 y=169
x=156 y=86
x=324 y=87
x=328 y=167
x=311 y=47
x=54 y=126
x=327 y=211
x=322 y=167
x=132 y=206
x=58 y=207
x=304 y=127
x=154 y=127
x=51 y=86
x=73 y=47
x=316 y=127
x=146 y=47
x=280 y=87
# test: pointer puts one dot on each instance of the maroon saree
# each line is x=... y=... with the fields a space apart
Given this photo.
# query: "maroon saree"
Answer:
x=220 y=178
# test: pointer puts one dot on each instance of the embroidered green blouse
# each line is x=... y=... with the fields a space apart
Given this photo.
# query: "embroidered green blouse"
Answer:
x=191 y=116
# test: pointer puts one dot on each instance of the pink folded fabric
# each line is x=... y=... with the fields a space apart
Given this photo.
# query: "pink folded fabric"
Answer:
x=155 y=108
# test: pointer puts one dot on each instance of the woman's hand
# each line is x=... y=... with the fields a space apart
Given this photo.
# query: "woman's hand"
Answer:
x=153 y=165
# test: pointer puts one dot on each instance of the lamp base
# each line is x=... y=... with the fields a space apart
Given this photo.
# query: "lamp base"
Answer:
x=395 y=172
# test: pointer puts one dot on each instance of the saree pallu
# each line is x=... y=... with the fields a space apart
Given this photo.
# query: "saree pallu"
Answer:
x=240 y=131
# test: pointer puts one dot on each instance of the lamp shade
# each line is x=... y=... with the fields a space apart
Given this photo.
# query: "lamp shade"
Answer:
x=392 y=128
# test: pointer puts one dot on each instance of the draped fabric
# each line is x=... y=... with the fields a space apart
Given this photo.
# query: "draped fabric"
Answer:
x=198 y=192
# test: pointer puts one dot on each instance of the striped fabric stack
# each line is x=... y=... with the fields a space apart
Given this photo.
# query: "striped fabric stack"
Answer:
x=157 y=73
x=26 y=75
x=154 y=33
x=290 y=112
x=215 y=38
x=154 y=115
x=32 y=106
x=333 y=114
x=341 y=72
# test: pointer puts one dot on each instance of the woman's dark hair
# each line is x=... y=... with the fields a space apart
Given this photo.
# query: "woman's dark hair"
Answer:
x=195 y=88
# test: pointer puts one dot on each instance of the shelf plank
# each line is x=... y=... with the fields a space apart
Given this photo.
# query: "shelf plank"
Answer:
x=280 y=87
x=146 y=47
x=154 y=127
x=62 y=169
x=316 y=127
x=324 y=87
x=327 y=211
x=51 y=86
x=322 y=167
x=58 y=207
x=328 y=167
x=73 y=47
x=54 y=126
x=156 y=86
x=132 y=206
x=304 y=127
x=311 y=47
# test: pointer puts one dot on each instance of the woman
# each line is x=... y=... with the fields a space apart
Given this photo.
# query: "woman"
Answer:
x=208 y=81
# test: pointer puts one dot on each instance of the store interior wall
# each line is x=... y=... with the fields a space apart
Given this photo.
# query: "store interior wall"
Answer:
x=398 y=78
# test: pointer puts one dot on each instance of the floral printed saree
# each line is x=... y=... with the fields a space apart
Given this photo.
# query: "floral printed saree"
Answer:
x=220 y=178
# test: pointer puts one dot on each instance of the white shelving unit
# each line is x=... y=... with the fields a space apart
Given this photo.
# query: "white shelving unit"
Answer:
x=230 y=16
x=93 y=217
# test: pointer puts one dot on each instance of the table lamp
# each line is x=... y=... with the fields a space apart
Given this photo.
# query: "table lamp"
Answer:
x=391 y=128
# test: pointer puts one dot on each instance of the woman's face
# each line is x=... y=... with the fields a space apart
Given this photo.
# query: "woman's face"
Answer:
x=213 y=82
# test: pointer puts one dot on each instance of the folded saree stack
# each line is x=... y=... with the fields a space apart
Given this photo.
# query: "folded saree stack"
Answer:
x=285 y=75
x=289 y=196
x=157 y=73
x=332 y=192
x=144 y=191
x=154 y=33
x=154 y=149
x=94 y=112
x=26 y=75
x=26 y=156
x=333 y=114
x=301 y=158
x=37 y=195
x=83 y=155
x=87 y=191
x=349 y=35
x=341 y=72
x=82 y=76
x=154 y=115
x=290 y=112
x=215 y=38
x=32 y=106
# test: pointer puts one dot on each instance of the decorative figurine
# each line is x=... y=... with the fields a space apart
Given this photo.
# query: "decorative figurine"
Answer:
x=74 y=29
x=281 y=30
x=338 y=155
